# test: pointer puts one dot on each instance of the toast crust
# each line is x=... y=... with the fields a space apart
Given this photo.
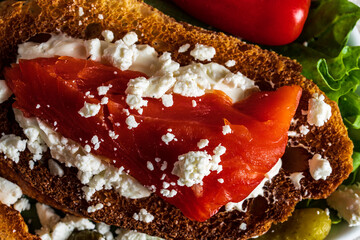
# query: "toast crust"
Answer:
x=22 y=20
x=12 y=225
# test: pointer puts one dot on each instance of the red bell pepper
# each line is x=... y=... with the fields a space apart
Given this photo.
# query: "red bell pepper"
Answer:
x=269 y=22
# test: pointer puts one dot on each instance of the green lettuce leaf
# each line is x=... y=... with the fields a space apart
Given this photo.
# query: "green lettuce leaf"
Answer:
x=329 y=24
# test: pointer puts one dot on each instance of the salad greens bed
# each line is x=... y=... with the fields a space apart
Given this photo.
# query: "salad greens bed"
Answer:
x=326 y=59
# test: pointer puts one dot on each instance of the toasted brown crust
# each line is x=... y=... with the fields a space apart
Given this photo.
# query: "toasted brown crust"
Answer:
x=12 y=225
x=20 y=21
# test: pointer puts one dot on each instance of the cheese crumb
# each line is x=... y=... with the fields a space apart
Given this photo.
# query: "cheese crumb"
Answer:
x=184 y=48
x=167 y=100
x=55 y=168
x=226 y=130
x=319 y=168
x=193 y=102
x=5 y=91
x=143 y=216
x=102 y=90
x=150 y=166
x=89 y=110
x=11 y=145
x=202 y=52
x=203 y=143
x=81 y=11
x=243 y=226
x=131 y=122
x=9 y=192
x=95 y=208
x=168 y=137
x=346 y=200
x=168 y=193
x=104 y=101
x=130 y=38
x=319 y=112
x=304 y=130
x=108 y=35
x=220 y=180
x=230 y=63
x=100 y=16
x=193 y=166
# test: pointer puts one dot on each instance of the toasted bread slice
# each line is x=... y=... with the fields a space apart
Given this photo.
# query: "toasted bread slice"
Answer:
x=12 y=225
x=22 y=20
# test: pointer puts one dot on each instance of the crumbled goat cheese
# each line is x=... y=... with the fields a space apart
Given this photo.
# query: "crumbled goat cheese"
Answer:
x=167 y=76
x=11 y=146
x=296 y=178
x=104 y=100
x=47 y=216
x=5 y=91
x=93 y=171
x=131 y=122
x=135 y=101
x=143 y=216
x=100 y=16
x=168 y=137
x=184 y=48
x=113 y=135
x=243 y=226
x=130 y=38
x=203 y=143
x=60 y=229
x=168 y=193
x=192 y=167
x=202 y=52
x=346 y=200
x=226 y=129
x=104 y=229
x=167 y=100
x=293 y=134
x=304 y=129
x=320 y=168
x=108 y=35
x=258 y=191
x=95 y=208
x=96 y=142
x=150 y=166
x=81 y=11
x=124 y=234
x=319 y=112
x=220 y=180
x=193 y=103
x=93 y=49
x=10 y=193
x=230 y=63
x=55 y=168
x=163 y=166
x=34 y=143
x=89 y=110
x=102 y=90
x=22 y=204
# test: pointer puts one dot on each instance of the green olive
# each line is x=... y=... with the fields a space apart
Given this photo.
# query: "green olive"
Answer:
x=85 y=235
x=304 y=224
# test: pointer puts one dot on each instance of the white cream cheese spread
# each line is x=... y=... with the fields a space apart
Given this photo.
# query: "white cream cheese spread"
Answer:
x=93 y=171
x=258 y=191
x=346 y=200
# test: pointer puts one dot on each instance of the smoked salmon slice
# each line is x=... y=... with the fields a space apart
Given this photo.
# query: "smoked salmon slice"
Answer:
x=168 y=145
